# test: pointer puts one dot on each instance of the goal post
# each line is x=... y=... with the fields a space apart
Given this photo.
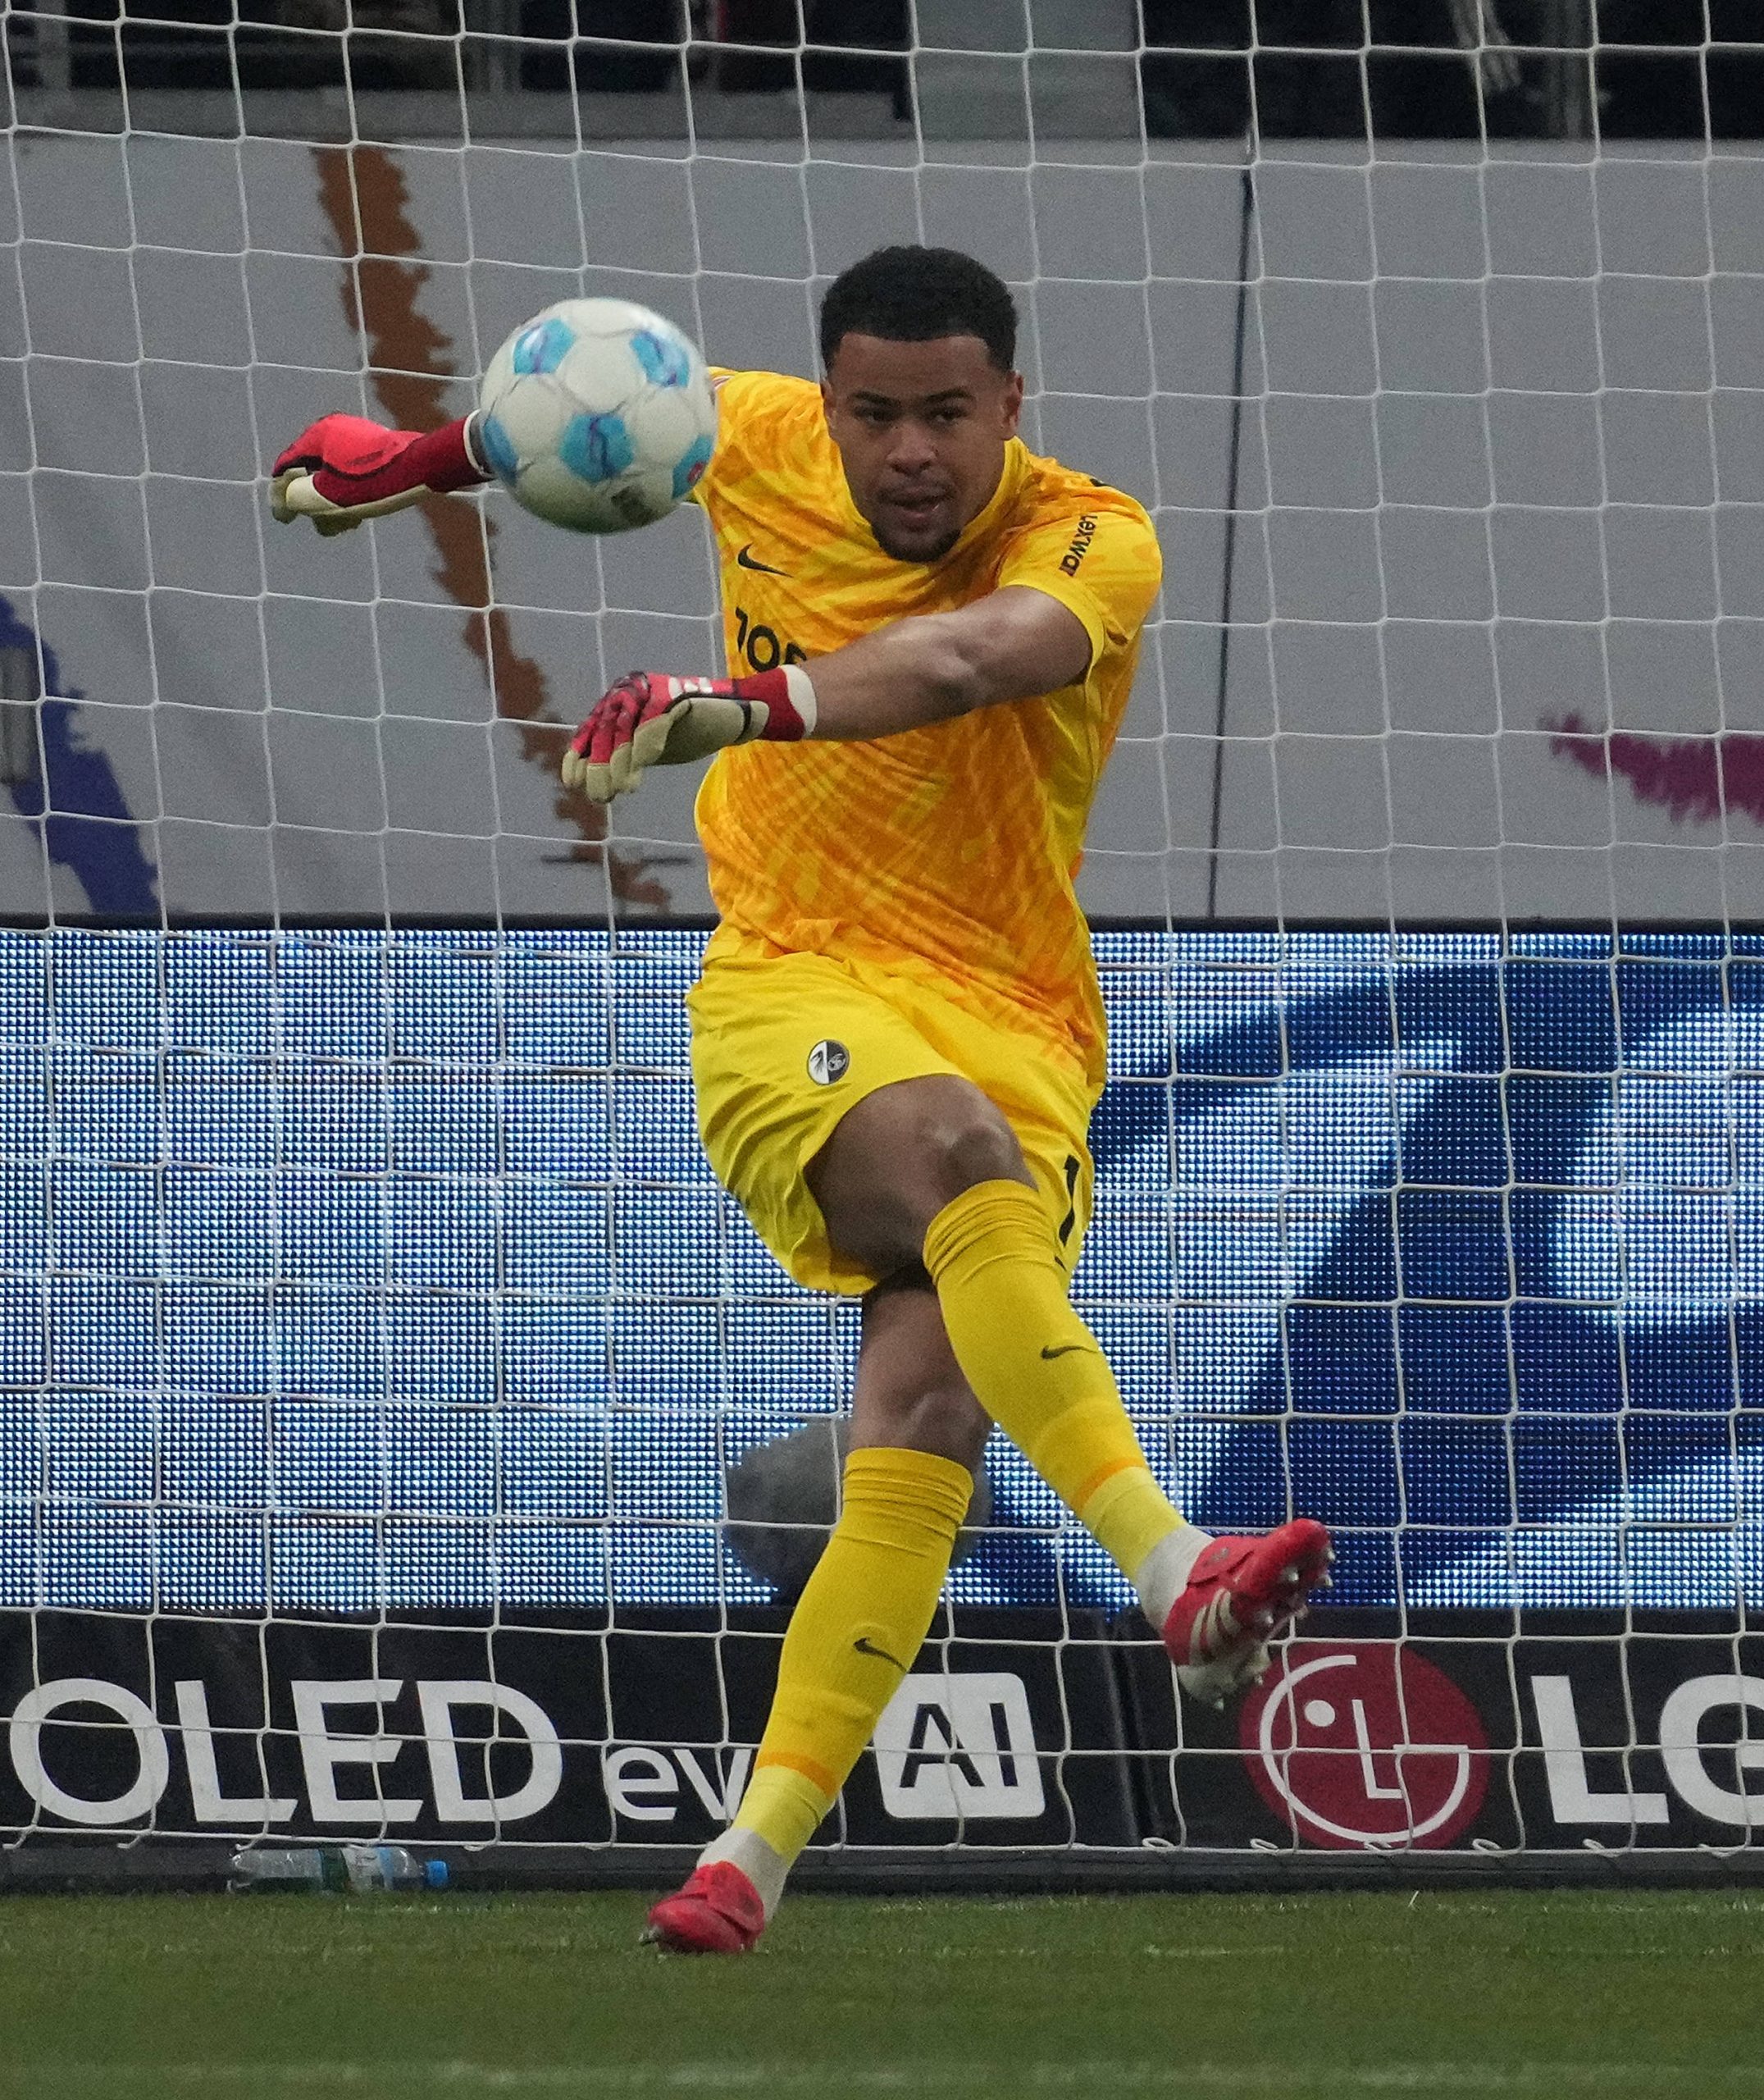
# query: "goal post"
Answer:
x=400 y=1433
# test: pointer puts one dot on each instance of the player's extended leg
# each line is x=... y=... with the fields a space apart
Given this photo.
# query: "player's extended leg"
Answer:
x=917 y=1434
x=929 y=1170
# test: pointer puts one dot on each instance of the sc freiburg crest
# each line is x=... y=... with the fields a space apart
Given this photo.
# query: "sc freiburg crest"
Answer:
x=828 y=1061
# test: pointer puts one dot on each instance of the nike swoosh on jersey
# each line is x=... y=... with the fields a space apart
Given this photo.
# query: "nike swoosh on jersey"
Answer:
x=1065 y=1348
x=745 y=559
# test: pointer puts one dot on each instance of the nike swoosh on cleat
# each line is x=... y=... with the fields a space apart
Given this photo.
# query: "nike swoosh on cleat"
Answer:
x=745 y=559
x=865 y=1646
x=1065 y=1348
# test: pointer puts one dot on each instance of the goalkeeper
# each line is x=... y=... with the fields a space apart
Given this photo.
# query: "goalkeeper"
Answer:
x=897 y=1039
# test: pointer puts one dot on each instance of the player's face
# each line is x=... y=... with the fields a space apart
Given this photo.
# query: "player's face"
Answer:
x=921 y=429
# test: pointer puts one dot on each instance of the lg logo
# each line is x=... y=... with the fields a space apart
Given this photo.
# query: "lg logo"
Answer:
x=1365 y=1745
x=1695 y=1769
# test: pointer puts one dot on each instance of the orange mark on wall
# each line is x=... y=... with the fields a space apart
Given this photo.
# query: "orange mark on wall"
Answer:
x=365 y=200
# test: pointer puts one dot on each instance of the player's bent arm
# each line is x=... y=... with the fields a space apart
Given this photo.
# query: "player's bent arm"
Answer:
x=1013 y=644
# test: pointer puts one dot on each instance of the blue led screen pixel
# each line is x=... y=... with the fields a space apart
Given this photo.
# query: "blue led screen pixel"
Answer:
x=366 y=1270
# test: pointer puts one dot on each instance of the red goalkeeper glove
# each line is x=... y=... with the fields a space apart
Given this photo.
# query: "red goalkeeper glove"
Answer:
x=343 y=468
x=647 y=719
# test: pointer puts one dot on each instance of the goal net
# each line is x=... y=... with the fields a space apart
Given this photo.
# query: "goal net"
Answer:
x=392 y=1408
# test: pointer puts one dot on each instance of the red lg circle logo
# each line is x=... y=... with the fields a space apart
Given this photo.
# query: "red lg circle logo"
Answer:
x=1365 y=1744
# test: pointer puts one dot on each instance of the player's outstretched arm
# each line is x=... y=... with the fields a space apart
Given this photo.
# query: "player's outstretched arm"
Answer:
x=343 y=468
x=1010 y=645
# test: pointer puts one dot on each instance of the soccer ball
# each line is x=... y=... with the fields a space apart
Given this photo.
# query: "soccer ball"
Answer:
x=597 y=414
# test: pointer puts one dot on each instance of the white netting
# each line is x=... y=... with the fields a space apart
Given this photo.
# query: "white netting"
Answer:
x=358 y=1254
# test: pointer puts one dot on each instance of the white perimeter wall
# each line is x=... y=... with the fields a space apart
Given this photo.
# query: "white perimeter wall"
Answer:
x=1503 y=464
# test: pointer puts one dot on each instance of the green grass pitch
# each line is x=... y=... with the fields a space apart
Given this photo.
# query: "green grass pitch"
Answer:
x=1514 y=1993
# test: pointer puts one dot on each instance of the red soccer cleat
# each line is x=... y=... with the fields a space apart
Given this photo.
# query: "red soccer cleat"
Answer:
x=1240 y=1593
x=719 y=1911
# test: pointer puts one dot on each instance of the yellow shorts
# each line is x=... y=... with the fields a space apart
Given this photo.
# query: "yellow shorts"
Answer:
x=783 y=1043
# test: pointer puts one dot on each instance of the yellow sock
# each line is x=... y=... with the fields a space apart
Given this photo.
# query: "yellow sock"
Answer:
x=1037 y=1369
x=852 y=1636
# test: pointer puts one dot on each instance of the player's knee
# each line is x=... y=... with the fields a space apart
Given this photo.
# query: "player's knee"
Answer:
x=947 y=1421
x=957 y=1426
x=899 y=1157
x=963 y=1145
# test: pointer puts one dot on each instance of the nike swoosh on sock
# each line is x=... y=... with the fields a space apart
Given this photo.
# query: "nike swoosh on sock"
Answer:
x=865 y=1646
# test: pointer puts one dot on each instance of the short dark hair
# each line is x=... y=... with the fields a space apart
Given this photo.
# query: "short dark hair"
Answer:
x=916 y=294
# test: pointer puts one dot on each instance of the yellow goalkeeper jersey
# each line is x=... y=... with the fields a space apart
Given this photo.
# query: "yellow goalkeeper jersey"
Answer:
x=947 y=852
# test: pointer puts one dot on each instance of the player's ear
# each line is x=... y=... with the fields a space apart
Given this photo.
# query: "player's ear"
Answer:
x=1012 y=403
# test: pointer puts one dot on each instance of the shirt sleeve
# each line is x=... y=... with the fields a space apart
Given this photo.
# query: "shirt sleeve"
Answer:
x=753 y=407
x=1101 y=562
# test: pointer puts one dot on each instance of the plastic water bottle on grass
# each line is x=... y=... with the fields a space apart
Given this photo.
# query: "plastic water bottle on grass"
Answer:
x=343 y=1870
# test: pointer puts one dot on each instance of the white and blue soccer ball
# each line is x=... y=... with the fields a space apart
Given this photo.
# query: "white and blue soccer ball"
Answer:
x=597 y=414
